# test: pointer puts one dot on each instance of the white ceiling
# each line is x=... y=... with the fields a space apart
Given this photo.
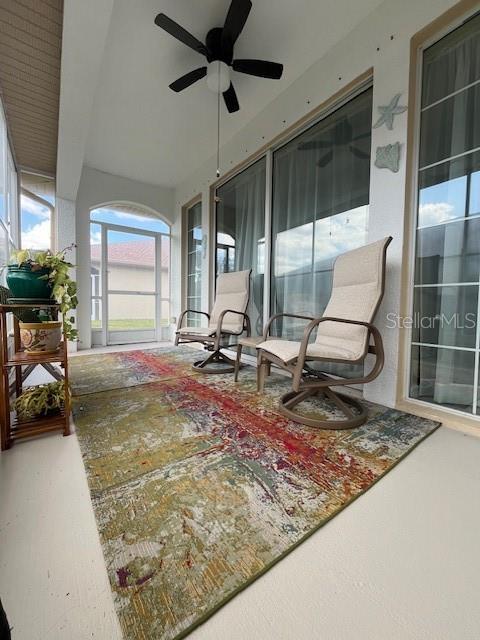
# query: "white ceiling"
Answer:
x=142 y=130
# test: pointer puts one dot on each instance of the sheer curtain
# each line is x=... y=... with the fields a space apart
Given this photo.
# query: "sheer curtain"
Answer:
x=447 y=241
x=321 y=185
x=240 y=218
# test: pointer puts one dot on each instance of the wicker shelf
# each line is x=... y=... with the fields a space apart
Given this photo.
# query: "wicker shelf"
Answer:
x=23 y=363
x=28 y=428
x=23 y=357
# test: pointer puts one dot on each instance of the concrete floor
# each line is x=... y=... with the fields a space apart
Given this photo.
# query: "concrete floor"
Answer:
x=402 y=562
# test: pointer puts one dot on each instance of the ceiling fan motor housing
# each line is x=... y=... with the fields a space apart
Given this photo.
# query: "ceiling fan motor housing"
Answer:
x=216 y=46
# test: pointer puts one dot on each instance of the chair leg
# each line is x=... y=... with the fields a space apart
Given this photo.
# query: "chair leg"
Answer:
x=355 y=414
x=237 y=362
x=215 y=358
x=261 y=370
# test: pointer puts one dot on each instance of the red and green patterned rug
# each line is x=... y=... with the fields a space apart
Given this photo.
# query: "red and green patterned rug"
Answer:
x=199 y=485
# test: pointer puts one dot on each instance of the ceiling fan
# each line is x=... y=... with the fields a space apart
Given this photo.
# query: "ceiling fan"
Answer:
x=218 y=50
x=342 y=136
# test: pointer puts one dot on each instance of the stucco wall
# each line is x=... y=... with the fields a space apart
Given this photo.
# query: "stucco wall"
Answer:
x=380 y=42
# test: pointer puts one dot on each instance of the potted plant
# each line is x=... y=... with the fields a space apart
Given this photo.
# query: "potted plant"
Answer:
x=41 y=400
x=42 y=336
x=42 y=276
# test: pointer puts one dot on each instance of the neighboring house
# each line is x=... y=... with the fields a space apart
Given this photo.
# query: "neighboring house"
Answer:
x=130 y=268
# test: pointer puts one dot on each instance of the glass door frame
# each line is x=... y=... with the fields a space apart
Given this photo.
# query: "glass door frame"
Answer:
x=418 y=47
x=126 y=336
x=363 y=84
x=186 y=208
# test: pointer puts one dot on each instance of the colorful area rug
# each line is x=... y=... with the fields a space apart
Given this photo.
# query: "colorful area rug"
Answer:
x=117 y=370
x=199 y=486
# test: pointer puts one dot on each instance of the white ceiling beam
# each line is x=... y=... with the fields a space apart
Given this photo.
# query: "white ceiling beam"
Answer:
x=85 y=30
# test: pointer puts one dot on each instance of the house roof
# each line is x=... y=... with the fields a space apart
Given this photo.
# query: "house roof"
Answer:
x=140 y=253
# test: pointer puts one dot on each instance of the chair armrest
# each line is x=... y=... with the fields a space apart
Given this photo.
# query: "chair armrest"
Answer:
x=272 y=319
x=239 y=313
x=314 y=323
x=184 y=313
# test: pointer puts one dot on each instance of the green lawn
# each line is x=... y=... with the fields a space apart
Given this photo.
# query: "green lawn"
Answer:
x=125 y=324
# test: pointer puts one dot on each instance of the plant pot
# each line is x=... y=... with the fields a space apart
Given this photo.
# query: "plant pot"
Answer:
x=25 y=283
x=41 y=337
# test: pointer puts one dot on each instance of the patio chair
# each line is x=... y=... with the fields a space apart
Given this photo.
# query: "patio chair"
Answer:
x=343 y=335
x=228 y=319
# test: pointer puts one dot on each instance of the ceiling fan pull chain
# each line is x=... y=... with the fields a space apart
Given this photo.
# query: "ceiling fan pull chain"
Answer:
x=218 y=122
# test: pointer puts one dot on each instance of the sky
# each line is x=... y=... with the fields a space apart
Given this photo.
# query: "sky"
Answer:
x=446 y=200
x=36 y=227
x=36 y=224
x=334 y=235
x=123 y=218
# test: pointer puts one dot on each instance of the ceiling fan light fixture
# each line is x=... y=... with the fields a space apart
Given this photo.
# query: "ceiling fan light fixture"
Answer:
x=218 y=76
x=219 y=52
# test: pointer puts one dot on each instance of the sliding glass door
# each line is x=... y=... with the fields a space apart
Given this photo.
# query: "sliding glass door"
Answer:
x=321 y=183
x=320 y=193
x=194 y=262
x=446 y=338
x=240 y=224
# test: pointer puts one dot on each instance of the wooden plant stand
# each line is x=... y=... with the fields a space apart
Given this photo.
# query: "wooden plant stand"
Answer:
x=11 y=427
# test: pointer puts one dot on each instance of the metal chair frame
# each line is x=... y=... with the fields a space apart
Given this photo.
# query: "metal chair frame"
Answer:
x=308 y=382
x=213 y=343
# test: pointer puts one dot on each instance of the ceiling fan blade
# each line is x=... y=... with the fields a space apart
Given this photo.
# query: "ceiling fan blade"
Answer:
x=359 y=153
x=325 y=160
x=342 y=133
x=178 y=32
x=231 y=100
x=188 y=79
x=315 y=144
x=260 y=68
x=368 y=134
x=234 y=22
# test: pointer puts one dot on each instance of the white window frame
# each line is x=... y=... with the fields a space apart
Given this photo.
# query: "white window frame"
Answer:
x=429 y=407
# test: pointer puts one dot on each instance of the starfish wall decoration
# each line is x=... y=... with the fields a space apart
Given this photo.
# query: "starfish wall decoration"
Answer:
x=388 y=113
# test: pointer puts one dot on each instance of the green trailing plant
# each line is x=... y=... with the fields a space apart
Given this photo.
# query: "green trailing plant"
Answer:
x=40 y=400
x=64 y=289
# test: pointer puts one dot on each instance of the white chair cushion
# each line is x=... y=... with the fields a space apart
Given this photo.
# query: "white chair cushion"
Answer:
x=356 y=293
x=232 y=292
x=328 y=349
x=200 y=331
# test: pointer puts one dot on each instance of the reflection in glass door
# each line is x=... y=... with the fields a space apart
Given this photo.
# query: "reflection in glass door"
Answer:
x=240 y=226
x=321 y=183
x=445 y=346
